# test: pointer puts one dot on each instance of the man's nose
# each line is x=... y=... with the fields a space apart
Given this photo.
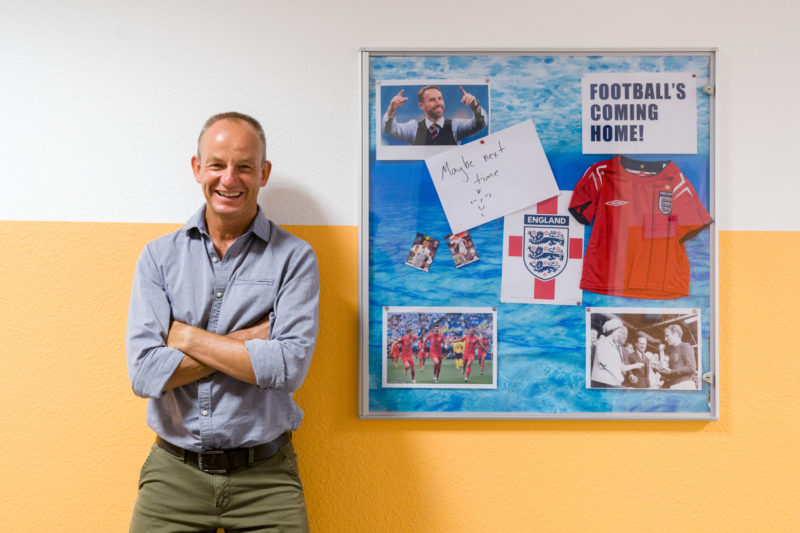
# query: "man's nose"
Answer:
x=228 y=175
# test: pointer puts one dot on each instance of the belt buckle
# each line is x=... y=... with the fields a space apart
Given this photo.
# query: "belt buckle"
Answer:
x=201 y=465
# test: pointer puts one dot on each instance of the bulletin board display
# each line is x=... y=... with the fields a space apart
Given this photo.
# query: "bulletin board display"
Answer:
x=537 y=235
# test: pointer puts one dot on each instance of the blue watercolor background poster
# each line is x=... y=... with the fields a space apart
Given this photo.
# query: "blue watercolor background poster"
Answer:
x=541 y=349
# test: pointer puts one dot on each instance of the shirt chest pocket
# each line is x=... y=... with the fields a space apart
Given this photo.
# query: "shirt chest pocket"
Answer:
x=264 y=282
x=257 y=294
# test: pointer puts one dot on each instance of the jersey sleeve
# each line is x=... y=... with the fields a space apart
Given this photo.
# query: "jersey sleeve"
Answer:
x=691 y=215
x=583 y=203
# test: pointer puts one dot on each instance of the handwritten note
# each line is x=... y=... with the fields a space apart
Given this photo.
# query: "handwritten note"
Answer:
x=492 y=177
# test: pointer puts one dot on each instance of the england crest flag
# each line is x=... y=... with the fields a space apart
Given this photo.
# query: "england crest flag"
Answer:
x=543 y=254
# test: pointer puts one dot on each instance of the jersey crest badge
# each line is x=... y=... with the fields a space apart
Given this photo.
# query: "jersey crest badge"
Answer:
x=546 y=249
x=665 y=202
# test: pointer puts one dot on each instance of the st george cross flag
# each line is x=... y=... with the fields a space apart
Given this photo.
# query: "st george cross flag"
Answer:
x=543 y=254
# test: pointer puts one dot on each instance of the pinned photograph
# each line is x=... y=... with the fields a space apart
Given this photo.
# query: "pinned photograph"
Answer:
x=420 y=118
x=440 y=347
x=461 y=248
x=643 y=348
x=422 y=252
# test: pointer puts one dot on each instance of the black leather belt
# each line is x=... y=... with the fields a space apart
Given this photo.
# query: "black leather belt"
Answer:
x=225 y=461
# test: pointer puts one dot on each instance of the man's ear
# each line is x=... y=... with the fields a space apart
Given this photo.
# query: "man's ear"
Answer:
x=196 y=168
x=265 y=171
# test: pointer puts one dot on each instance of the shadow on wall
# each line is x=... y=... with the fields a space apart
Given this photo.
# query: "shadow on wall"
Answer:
x=285 y=201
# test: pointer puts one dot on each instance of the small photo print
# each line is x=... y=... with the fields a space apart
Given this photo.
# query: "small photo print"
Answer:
x=419 y=118
x=461 y=248
x=422 y=252
x=643 y=348
x=440 y=347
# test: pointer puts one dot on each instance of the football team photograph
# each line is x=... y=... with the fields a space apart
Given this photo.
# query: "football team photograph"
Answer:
x=439 y=347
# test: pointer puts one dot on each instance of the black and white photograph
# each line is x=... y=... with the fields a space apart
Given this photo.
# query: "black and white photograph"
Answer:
x=440 y=347
x=641 y=348
x=424 y=117
x=422 y=252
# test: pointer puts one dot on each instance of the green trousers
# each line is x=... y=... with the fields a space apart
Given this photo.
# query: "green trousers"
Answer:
x=178 y=497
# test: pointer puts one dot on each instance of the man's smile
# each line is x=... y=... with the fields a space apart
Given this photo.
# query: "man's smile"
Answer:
x=229 y=194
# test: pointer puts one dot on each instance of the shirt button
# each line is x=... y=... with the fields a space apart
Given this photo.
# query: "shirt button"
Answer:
x=214 y=259
x=204 y=412
x=219 y=295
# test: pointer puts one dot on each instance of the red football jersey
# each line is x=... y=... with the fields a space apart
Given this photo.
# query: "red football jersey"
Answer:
x=407 y=342
x=643 y=211
x=436 y=343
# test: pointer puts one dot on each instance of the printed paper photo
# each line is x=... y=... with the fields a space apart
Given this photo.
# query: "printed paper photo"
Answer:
x=461 y=248
x=422 y=252
x=418 y=118
x=440 y=347
x=643 y=349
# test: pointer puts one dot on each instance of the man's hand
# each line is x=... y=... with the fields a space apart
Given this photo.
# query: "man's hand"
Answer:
x=470 y=100
x=634 y=366
x=397 y=102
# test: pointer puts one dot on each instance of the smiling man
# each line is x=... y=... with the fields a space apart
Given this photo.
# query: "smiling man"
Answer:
x=433 y=129
x=221 y=329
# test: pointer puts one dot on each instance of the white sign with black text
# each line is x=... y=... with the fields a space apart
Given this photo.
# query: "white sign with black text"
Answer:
x=639 y=113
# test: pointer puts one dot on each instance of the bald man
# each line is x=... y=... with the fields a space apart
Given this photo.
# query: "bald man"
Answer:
x=221 y=330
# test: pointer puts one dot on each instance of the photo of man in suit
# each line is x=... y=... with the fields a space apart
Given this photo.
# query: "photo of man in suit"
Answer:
x=433 y=129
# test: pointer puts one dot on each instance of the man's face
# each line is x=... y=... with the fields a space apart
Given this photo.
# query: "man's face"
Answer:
x=436 y=331
x=230 y=170
x=671 y=339
x=594 y=337
x=432 y=104
x=641 y=344
x=621 y=335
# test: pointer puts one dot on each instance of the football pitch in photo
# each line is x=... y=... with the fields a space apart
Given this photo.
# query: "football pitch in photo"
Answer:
x=449 y=375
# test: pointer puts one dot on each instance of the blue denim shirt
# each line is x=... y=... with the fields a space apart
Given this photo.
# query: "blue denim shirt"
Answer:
x=179 y=276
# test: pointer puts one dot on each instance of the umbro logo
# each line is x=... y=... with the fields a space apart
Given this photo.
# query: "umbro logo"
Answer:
x=617 y=203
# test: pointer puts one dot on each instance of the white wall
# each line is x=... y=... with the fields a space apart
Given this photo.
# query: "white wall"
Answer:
x=101 y=102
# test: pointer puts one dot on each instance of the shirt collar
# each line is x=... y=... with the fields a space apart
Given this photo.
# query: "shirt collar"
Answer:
x=440 y=122
x=261 y=226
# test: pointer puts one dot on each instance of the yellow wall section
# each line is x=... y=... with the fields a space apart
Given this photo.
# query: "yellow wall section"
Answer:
x=74 y=435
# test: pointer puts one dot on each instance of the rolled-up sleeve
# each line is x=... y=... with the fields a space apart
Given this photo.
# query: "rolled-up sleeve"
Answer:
x=282 y=361
x=150 y=362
